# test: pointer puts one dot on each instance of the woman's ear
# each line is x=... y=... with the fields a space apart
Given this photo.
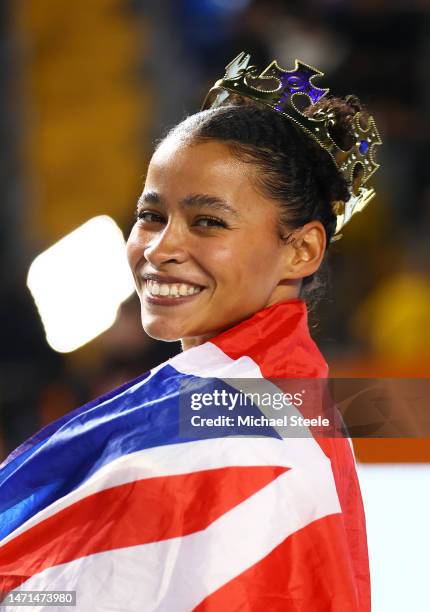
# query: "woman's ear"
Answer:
x=305 y=250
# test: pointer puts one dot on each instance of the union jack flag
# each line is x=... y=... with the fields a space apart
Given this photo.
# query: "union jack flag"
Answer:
x=112 y=502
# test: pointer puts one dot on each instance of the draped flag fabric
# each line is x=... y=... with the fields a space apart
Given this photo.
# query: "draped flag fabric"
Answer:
x=111 y=502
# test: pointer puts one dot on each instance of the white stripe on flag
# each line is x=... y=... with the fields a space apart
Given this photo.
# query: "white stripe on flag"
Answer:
x=207 y=360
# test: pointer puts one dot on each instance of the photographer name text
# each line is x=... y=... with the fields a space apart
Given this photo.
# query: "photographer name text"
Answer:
x=258 y=421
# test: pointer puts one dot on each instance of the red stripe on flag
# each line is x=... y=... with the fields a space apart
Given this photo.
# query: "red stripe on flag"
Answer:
x=308 y=571
x=139 y=512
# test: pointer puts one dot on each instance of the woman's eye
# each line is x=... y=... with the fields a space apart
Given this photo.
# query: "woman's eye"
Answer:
x=147 y=216
x=210 y=222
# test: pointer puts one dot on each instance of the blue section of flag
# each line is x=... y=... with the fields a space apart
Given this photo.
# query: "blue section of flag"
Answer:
x=144 y=413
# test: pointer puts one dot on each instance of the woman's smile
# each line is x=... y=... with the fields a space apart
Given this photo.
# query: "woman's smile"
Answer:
x=165 y=291
x=171 y=290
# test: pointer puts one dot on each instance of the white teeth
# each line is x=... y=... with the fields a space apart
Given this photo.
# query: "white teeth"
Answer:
x=171 y=290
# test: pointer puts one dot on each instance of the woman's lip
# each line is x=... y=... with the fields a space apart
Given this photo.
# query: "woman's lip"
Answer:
x=160 y=300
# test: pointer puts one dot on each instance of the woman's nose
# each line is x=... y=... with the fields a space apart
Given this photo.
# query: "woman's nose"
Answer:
x=167 y=246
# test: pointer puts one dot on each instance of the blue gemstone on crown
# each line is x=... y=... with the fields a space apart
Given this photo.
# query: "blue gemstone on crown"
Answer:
x=363 y=147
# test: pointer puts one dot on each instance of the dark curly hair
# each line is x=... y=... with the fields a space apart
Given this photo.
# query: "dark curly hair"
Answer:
x=292 y=168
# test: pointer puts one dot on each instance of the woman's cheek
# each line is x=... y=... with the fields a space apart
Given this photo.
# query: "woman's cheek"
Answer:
x=218 y=256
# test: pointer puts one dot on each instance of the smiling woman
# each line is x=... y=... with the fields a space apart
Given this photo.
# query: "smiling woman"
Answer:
x=190 y=247
x=123 y=501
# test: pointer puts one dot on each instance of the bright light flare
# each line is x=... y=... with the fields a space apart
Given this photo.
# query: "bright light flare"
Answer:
x=79 y=283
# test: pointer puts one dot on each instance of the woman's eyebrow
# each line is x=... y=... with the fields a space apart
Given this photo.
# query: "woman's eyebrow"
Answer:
x=149 y=197
x=209 y=201
x=193 y=200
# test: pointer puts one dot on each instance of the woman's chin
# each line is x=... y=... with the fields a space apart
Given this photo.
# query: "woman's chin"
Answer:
x=159 y=330
x=161 y=335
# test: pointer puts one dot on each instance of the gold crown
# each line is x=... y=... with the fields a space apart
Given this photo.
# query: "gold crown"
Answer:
x=281 y=90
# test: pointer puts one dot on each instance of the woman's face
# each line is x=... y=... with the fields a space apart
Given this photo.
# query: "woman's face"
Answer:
x=205 y=250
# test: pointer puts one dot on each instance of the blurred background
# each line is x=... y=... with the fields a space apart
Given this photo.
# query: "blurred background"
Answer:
x=86 y=88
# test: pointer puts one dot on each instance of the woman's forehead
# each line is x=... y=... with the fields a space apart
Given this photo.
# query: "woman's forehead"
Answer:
x=205 y=164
